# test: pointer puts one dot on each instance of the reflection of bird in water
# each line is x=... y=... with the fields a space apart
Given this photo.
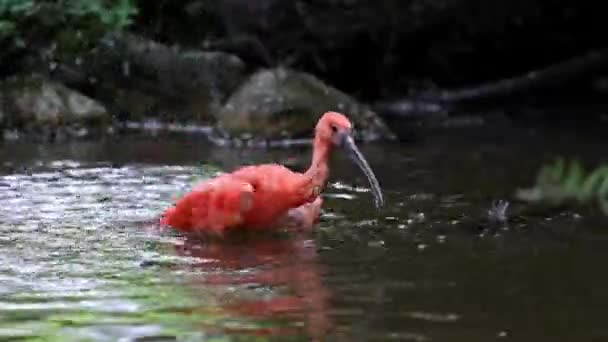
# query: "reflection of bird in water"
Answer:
x=287 y=266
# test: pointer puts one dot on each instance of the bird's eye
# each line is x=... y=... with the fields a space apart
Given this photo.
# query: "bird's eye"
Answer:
x=334 y=128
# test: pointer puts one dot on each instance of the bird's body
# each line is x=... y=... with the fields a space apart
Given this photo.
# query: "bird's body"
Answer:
x=231 y=200
x=280 y=190
x=266 y=196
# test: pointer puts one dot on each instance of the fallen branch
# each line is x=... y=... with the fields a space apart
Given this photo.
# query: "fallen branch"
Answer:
x=436 y=101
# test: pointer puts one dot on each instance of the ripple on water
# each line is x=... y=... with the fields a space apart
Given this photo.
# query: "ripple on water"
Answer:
x=66 y=253
x=81 y=261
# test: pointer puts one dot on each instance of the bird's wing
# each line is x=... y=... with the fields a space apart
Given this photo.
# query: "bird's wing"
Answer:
x=211 y=207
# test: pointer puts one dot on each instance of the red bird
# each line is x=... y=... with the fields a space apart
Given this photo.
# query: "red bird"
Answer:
x=269 y=196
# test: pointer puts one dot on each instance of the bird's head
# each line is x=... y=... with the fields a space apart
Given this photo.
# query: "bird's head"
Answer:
x=335 y=129
x=332 y=128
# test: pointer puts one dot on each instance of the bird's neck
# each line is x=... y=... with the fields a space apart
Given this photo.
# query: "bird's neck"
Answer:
x=319 y=167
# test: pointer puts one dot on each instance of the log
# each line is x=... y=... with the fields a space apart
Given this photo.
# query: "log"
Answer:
x=555 y=74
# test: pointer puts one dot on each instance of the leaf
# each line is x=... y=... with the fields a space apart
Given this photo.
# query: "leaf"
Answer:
x=561 y=181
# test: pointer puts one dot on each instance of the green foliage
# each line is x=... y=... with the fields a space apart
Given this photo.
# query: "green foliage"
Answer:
x=10 y=10
x=62 y=25
x=562 y=182
x=114 y=16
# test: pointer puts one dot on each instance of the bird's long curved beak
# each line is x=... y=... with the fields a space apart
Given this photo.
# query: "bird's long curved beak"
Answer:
x=348 y=143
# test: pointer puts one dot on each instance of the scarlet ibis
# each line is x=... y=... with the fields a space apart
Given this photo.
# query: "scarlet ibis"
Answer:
x=270 y=195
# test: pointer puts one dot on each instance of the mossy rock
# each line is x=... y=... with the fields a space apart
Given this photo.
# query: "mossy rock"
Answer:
x=143 y=78
x=34 y=101
x=281 y=103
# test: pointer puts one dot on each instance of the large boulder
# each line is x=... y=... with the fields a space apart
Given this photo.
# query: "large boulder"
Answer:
x=36 y=102
x=141 y=78
x=284 y=103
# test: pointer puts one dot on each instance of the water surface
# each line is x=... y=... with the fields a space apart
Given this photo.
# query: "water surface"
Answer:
x=81 y=261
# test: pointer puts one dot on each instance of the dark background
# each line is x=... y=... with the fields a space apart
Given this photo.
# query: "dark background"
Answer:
x=386 y=53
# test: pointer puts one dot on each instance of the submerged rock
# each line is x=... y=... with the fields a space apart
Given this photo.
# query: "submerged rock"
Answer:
x=37 y=103
x=284 y=103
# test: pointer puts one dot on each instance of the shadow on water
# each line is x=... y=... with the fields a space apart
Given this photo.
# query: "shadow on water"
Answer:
x=79 y=262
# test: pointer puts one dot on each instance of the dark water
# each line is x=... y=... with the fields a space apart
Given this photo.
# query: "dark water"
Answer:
x=78 y=261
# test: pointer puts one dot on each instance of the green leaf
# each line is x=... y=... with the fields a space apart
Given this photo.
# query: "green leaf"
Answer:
x=561 y=182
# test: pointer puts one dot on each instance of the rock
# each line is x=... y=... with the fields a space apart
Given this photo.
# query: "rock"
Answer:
x=284 y=103
x=142 y=78
x=35 y=102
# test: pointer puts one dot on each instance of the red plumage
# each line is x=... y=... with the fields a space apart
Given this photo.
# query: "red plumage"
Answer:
x=266 y=196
